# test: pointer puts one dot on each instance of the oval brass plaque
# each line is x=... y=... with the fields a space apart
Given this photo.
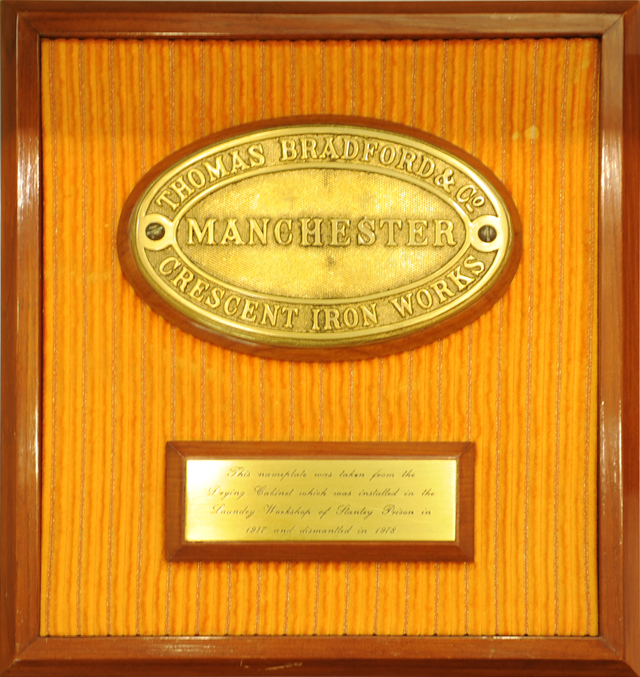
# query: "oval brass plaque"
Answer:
x=325 y=238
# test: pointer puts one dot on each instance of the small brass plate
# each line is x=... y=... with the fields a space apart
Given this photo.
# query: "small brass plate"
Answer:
x=310 y=235
x=319 y=501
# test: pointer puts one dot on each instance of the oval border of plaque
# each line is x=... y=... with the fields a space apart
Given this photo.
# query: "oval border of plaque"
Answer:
x=477 y=224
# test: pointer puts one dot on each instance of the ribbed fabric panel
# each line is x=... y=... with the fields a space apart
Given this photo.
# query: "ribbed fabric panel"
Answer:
x=520 y=381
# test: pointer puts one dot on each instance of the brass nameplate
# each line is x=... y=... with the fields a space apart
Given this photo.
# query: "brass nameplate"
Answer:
x=254 y=499
x=306 y=236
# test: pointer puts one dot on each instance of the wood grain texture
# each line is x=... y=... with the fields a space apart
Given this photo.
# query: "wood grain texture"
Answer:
x=611 y=365
x=630 y=338
x=500 y=282
x=9 y=339
x=481 y=656
x=485 y=657
x=287 y=26
x=613 y=7
x=179 y=550
x=618 y=394
x=325 y=20
x=21 y=337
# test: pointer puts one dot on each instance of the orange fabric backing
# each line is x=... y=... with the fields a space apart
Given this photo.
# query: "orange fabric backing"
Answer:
x=119 y=381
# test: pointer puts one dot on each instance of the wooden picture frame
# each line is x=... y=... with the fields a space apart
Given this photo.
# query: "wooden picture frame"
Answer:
x=616 y=651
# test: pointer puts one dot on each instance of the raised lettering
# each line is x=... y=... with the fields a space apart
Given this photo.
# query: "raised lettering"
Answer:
x=237 y=163
x=369 y=315
x=231 y=233
x=163 y=198
x=366 y=235
x=338 y=232
x=461 y=281
x=427 y=167
x=194 y=174
x=475 y=266
x=271 y=315
x=417 y=227
x=329 y=150
x=198 y=289
x=331 y=319
x=172 y=260
x=391 y=225
x=445 y=180
x=443 y=227
x=259 y=232
x=218 y=171
x=387 y=154
x=227 y=305
x=350 y=317
x=350 y=145
x=215 y=297
x=249 y=311
x=424 y=299
x=183 y=189
x=309 y=148
x=369 y=151
x=277 y=232
x=407 y=158
x=442 y=290
x=315 y=312
x=403 y=304
x=256 y=155
x=289 y=151
x=311 y=230
x=182 y=278
x=194 y=229
x=290 y=312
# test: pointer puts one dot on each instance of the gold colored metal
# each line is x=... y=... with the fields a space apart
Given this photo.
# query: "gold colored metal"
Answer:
x=321 y=235
x=321 y=500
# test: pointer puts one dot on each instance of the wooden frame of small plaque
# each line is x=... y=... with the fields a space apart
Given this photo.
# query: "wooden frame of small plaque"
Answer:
x=616 y=648
x=397 y=506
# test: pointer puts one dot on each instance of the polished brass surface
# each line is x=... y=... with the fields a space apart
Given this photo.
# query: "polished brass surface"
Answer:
x=321 y=500
x=321 y=235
